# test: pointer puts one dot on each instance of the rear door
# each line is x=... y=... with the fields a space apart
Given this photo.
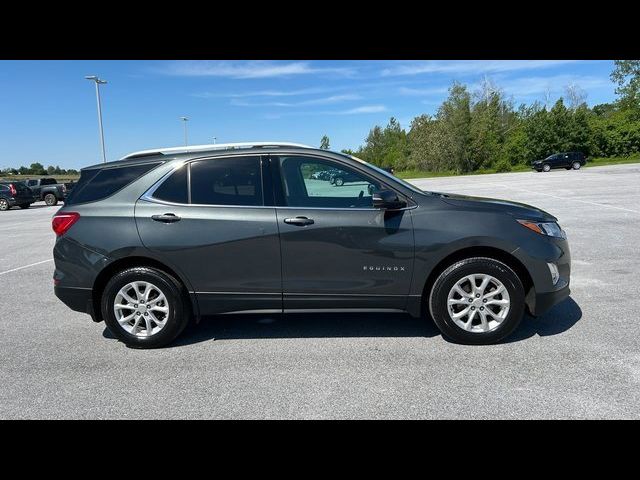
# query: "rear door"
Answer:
x=208 y=220
x=337 y=250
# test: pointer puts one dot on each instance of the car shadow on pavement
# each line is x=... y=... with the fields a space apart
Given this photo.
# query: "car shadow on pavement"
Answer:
x=559 y=319
x=334 y=325
x=306 y=325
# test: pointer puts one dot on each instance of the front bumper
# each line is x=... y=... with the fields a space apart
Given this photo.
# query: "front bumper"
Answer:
x=543 y=302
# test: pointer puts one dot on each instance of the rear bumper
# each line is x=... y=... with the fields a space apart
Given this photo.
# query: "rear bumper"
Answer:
x=77 y=299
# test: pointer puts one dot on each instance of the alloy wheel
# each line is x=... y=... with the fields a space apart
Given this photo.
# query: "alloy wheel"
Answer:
x=141 y=309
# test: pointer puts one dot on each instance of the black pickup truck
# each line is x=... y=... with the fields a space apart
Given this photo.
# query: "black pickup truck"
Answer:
x=47 y=190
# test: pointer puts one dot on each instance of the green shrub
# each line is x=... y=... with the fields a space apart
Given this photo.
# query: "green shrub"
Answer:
x=503 y=166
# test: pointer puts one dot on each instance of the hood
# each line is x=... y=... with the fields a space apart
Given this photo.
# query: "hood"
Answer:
x=517 y=210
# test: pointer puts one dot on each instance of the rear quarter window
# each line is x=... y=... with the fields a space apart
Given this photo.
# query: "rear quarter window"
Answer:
x=99 y=184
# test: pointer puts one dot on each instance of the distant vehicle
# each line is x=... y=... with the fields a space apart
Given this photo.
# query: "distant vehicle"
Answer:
x=47 y=190
x=15 y=193
x=69 y=186
x=340 y=177
x=566 y=160
x=388 y=169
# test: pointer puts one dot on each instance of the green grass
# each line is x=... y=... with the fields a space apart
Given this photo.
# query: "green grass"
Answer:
x=59 y=178
x=593 y=162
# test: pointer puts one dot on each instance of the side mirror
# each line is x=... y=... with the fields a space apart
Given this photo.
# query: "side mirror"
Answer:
x=388 y=200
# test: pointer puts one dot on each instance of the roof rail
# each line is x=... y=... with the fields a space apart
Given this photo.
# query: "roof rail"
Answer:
x=212 y=147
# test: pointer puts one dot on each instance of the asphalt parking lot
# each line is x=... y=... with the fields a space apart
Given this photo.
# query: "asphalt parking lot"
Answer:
x=580 y=360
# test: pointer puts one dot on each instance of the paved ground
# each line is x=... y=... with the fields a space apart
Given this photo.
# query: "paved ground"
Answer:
x=581 y=360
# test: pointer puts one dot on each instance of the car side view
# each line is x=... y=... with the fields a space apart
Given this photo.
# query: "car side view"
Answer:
x=162 y=236
x=14 y=194
x=566 y=160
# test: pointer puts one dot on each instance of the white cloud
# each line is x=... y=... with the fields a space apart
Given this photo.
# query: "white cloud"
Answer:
x=304 y=103
x=359 y=110
x=470 y=67
x=248 y=69
x=422 y=91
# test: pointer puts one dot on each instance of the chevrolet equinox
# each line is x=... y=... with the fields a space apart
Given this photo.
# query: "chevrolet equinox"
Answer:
x=162 y=236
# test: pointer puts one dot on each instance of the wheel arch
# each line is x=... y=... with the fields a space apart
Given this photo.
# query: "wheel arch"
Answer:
x=136 y=261
x=481 y=251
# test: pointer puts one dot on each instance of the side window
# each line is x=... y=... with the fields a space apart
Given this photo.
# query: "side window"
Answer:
x=32 y=183
x=312 y=182
x=227 y=181
x=174 y=188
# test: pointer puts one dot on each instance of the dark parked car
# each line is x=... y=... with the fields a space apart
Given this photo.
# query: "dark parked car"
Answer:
x=15 y=194
x=155 y=239
x=47 y=190
x=340 y=177
x=566 y=160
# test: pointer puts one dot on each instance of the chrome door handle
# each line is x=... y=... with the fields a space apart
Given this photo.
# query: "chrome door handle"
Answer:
x=300 y=221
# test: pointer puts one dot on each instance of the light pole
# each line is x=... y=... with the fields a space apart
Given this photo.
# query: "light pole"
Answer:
x=185 y=120
x=99 y=82
x=214 y=140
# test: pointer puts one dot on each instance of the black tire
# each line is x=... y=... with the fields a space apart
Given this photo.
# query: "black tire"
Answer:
x=339 y=181
x=447 y=279
x=576 y=165
x=177 y=317
x=546 y=167
x=4 y=204
x=25 y=205
x=50 y=199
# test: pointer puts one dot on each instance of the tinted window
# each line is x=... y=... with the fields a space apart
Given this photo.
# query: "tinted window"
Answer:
x=174 y=188
x=95 y=185
x=227 y=181
x=310 y=182
x=32 y=183
x=48 y=181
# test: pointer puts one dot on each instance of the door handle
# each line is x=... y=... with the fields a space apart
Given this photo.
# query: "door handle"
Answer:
x=300 y=221
x=166 y=218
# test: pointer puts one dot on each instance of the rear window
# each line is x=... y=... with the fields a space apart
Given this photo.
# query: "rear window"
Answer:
x=227 y=181
x=48 y=181
x=96 y=184
x=174 y=188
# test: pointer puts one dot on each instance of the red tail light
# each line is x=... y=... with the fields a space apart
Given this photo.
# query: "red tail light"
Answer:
x=62 y=222
x=13 y=190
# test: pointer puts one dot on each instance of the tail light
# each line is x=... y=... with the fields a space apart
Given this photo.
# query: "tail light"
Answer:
x=62 y=222
x=13 y=190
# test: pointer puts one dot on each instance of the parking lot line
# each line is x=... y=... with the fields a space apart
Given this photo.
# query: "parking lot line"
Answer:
x=564 y=198
x=26 y=266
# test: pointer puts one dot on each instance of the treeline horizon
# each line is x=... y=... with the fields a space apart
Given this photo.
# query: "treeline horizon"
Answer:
x=37 y=168
x=483 y=130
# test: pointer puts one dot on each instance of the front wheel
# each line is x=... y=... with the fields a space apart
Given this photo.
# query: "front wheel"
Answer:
x=144 y=307
x=339 y=181
x=50 y=199
x=546 y=168
x=477 y=301
x=4 y=204
x=576 y=165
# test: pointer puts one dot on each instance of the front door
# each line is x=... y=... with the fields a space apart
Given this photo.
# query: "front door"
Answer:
x=337 y=250
x=208 y=220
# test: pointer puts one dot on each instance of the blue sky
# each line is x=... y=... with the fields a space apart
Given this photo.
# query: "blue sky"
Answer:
x=48 y=110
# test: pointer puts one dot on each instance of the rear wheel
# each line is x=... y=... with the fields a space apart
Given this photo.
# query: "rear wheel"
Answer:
x=145 y=307
x=50 y=199
x=339 y=181
x=477 y=301
x=576 y=165
x=546 y=167
x=4 y=204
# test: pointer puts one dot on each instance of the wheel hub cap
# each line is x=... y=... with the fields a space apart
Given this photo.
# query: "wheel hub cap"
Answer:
x=478 y=303
x=141 y=309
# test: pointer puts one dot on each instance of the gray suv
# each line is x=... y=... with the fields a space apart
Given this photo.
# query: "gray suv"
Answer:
x=150 y=241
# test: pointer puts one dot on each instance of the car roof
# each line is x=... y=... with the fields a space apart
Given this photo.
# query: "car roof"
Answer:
x=196 y=151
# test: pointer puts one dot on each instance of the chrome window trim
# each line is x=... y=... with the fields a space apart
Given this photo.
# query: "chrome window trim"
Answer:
x=148 y=195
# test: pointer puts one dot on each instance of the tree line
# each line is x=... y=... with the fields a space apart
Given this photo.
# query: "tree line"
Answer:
x=39 y=169
x=484 y=130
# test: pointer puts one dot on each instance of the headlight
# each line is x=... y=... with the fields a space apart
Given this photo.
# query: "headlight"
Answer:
x=550 y=229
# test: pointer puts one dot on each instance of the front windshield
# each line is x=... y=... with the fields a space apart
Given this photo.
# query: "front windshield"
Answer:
x=391 y=176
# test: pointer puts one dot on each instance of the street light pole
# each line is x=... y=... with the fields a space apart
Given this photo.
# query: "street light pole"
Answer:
x=185 y=119
x=99 y=82
x=214 y=140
